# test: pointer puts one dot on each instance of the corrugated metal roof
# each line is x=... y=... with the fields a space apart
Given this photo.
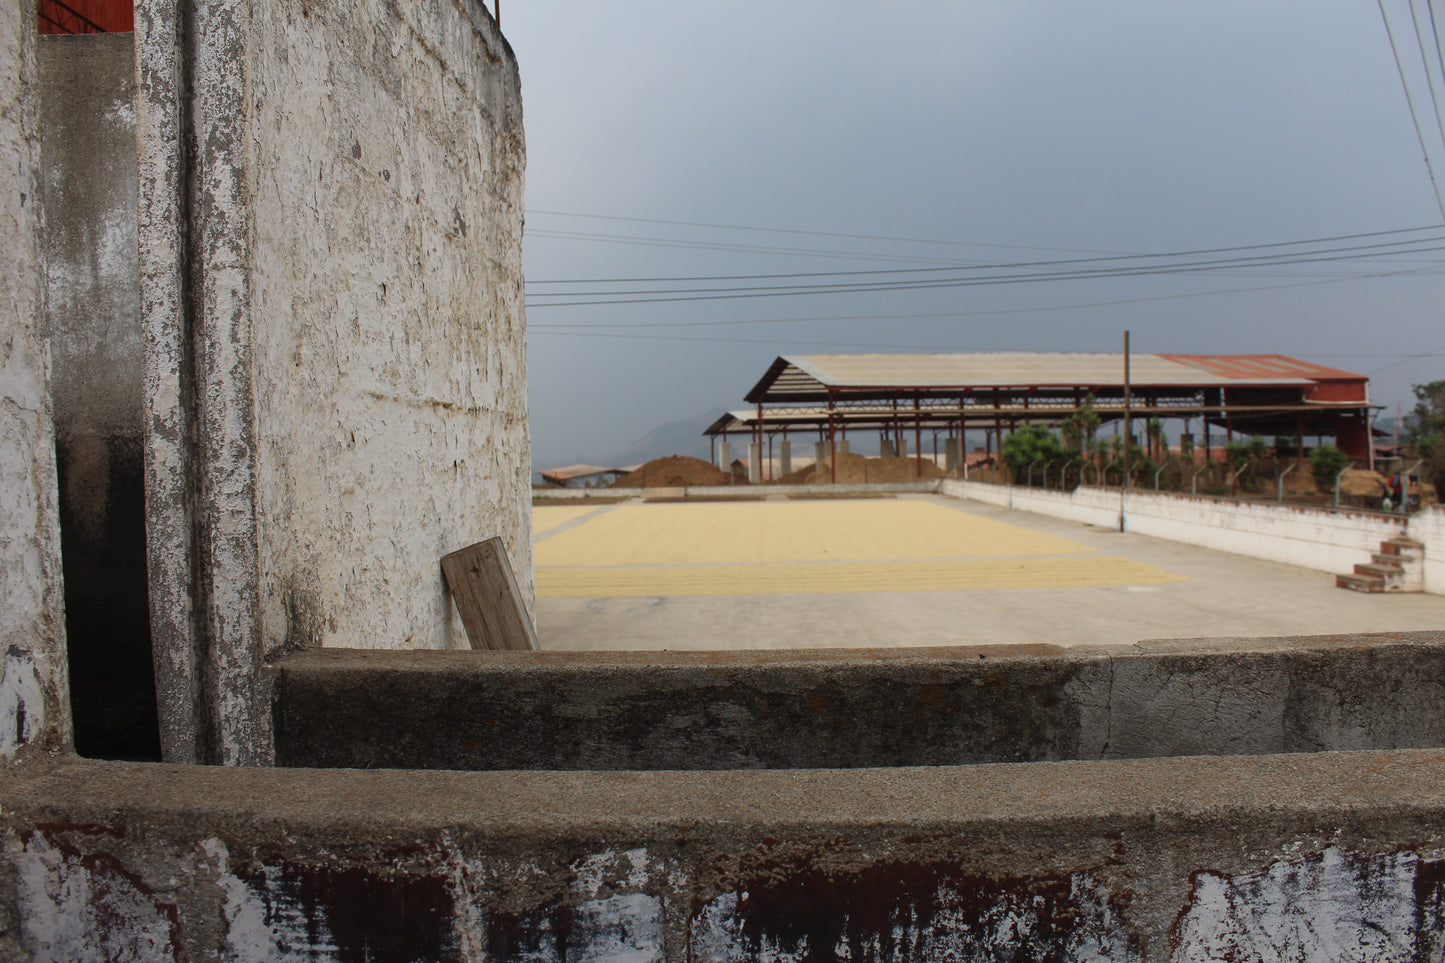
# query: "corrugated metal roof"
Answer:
x=1010 y=369
x=1254 y=366
x=568 y=472
x=810 y=374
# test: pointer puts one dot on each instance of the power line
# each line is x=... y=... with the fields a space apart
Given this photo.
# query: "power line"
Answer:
x=1433 y=352
x=1410 y=102
x=968 y=314
x=687 y=245
x=821 y=344
x=1011 y=265
x=1435 y=33
x=1429 y=76
x=948 y=283
x=780 y=230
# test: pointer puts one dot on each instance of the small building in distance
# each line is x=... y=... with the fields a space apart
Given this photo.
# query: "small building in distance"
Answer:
x=584 y=476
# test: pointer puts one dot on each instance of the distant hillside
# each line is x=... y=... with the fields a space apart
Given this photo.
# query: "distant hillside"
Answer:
x=673 y=438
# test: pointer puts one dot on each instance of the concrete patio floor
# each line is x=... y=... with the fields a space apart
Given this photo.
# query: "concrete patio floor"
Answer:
x=756 y=575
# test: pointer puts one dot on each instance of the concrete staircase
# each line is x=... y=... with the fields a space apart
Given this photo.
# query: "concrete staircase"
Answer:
x=1397 y=567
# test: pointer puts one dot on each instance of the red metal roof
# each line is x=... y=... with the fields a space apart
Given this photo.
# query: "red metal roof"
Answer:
x=1243 y=367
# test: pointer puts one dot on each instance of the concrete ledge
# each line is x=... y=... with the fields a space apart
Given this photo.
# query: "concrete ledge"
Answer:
x=1325 y=856
x=795 y=709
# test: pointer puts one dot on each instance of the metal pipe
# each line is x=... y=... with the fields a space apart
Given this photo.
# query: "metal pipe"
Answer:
x=1279 y=481
x=1338 y=475
x=1128 y=431
x=1157 y=473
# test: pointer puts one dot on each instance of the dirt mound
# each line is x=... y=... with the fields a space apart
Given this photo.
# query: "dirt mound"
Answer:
x=1368 y=483
x=854 y=468
x=674 y=471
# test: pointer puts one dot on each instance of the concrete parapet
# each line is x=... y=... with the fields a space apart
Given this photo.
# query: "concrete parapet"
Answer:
x=857 y=708
x=1325 y=856
x=1323 y=539
x=1428 y=528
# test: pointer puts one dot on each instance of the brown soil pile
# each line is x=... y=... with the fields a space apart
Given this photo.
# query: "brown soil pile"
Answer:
x=854 y=468
x=1369 y=483
x=674 y=471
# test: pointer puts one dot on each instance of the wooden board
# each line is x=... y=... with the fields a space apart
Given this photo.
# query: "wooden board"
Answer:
x=482 y=584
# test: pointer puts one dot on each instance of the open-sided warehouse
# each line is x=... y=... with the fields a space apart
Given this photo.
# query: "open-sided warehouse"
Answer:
x=1268 y=395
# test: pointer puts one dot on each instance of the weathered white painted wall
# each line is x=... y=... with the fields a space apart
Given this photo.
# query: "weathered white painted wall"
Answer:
x=1328 y=541
x=335 y=358
x=1090 y=506
x=34 y=706
x=385 y=186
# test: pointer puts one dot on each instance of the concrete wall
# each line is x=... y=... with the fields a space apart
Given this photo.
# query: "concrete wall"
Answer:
x=390 y=349
x=1322 y=539
x=1428 y=528
x=1327 y=856
x=92 y=307
x=34 y=694
x=332 y=303
x=857 y=708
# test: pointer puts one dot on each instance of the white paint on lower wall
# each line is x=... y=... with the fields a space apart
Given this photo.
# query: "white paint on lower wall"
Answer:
x=22 y=701
x=1428 y=528
x=74 y=908
x=1326 y=909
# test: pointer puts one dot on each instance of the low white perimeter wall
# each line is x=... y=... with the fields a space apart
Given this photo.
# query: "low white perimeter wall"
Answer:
x=1091 y=506
x=1428 y=528
x=1330 y=541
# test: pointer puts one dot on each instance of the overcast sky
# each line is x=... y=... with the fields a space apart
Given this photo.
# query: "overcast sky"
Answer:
x=1013 y=131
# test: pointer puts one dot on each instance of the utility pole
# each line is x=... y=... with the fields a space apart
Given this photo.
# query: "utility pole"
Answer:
x=1128 y=430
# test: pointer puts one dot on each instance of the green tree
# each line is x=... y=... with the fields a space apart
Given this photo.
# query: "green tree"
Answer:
x=1154 y=431
x=1326 y=461
x=1247 y=455
x=1078 y=427
x=1425 y=431
x=1032 y=445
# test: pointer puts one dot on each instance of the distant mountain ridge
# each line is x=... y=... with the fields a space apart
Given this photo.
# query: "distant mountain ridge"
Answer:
x=674 y=438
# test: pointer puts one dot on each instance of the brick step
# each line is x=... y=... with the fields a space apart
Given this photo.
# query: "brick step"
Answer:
x=1361 y=583
x=1402 y=545
x=1374 y=568
x=1396 y=563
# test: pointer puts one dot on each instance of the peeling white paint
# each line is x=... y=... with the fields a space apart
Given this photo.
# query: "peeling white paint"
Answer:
x=390 y=364
x=626 y=928
x=1337 y=907
x=611 y=870
x=955 y=925
x=22 y=701
x=33 y=693
x=248 y=937
x=72 y=908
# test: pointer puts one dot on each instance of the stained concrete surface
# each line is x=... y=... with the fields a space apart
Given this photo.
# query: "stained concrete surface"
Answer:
x=850 y=708
x=1220 y=594
x=1304 y=857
